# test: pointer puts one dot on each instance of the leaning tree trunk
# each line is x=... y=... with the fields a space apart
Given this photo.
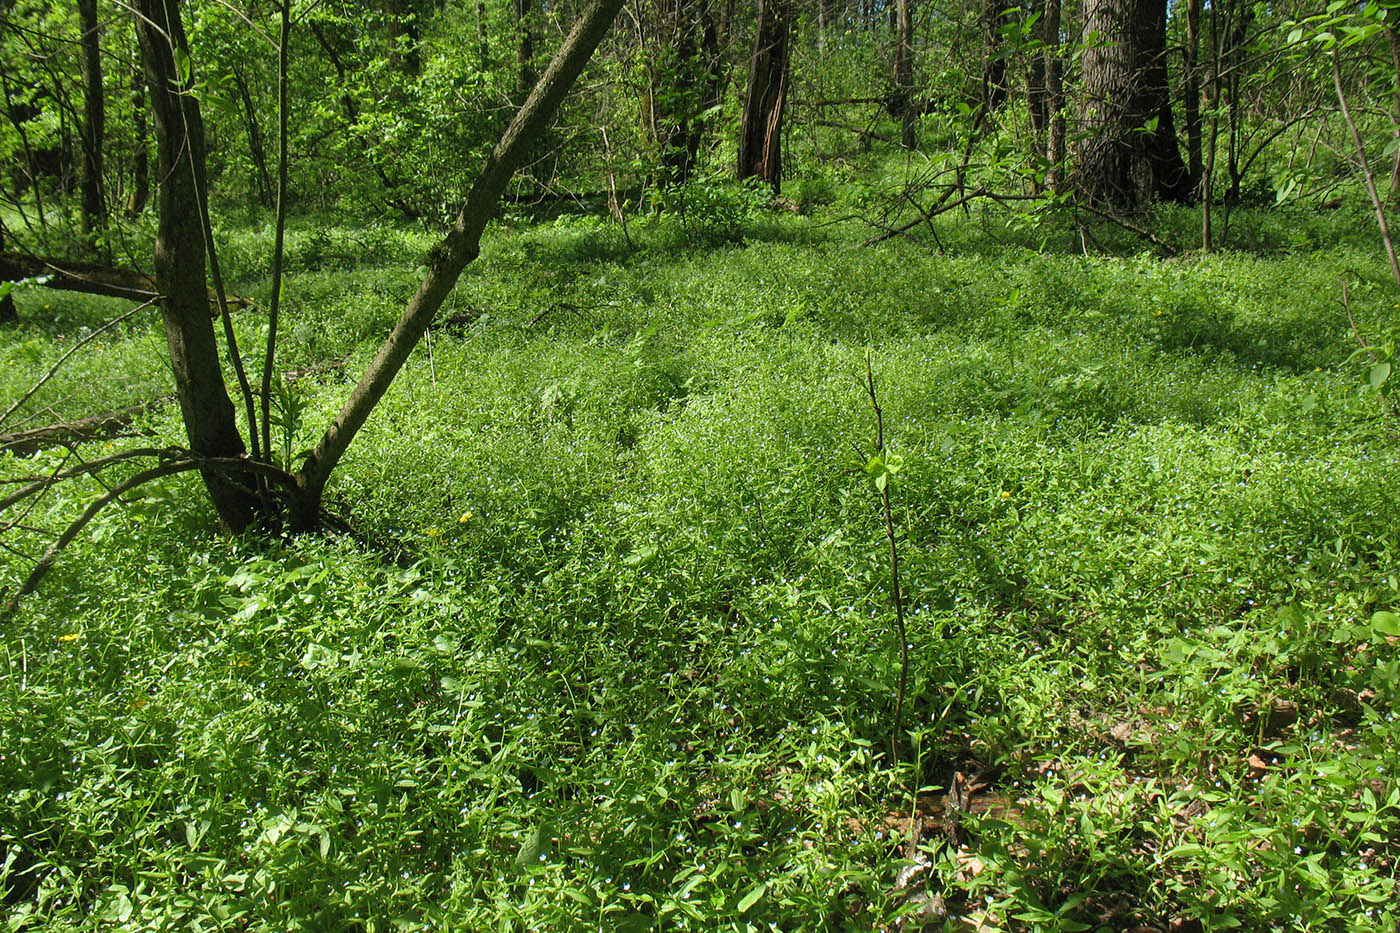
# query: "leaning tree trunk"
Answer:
x=180 y=259
x=449 y=257
x=761 y=132
x=1128 y=153
x=94 y=116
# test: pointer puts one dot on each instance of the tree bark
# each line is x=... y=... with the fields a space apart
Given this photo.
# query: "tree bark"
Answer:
x=695 y=85
x=257 y=151
x=525 y=49
x=450 y=256
x=761 y=132
x=180 y=259
x=8 y=313
x=1128 y=152
x=94 y=208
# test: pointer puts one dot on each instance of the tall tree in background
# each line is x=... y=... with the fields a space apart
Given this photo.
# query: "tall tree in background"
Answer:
x=761 y=131
x=904 y=72
x=1045 y=98
x=1128 y=151
x=685 y=79
x=94 y=116
x=140 y=190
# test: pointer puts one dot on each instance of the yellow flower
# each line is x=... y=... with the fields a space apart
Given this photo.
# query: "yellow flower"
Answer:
x=71 y=636
x=1005 y=494
x=466 y=517
x=138 y=703
x=434 y=532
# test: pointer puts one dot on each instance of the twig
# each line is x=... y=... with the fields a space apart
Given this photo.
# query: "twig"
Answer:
x=232 y=464
x=1146 y=234
x=64 y=358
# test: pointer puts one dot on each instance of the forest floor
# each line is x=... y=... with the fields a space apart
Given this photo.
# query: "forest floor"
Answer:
x=612 y=645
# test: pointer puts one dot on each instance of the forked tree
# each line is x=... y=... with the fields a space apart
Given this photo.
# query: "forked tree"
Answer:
x=244 y=484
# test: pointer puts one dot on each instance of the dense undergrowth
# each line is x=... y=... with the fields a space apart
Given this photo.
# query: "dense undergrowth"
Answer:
x=612 y=647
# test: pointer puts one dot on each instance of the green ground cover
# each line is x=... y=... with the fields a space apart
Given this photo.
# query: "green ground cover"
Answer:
x=611 y=647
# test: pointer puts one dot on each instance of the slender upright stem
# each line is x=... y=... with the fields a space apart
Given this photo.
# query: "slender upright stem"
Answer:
x=1367 y=176
x=894 y=570
x=274 y=303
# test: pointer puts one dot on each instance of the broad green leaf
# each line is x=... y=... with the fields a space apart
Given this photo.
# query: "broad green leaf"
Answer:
x=1379 y=373
x=1386 y=623
x=748 y=900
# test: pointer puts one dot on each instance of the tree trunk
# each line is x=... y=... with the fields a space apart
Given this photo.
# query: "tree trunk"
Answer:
x=140 y=164
x=180 y=259
x=8 y=312
x=994 y=88
x=1055 y=96
x=904 y=72
x=94 y=117
x=675 y=116
x=525 y=50
x=450 y=256
x=1191 y=93
x=483 y=47
x=761 y=132
x=1129 y=152
x=257 y=152
x=402 y=23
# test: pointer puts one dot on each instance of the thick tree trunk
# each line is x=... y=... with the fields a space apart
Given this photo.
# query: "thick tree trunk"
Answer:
x=1129 y=152
x=452 y=254
x=761 y=132
x=94 y=117
x=180 y=259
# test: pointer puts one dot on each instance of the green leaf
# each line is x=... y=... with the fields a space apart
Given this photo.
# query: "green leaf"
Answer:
x=748 y=900
x=1378 y=374
x=1386 y=623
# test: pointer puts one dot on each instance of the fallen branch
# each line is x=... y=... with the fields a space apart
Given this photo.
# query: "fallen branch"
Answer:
x=88 y=277
x=74 y=276
x=95 y=428
x=1147 y=235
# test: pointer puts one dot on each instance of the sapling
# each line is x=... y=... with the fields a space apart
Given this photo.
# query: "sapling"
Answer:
x=880 y=468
